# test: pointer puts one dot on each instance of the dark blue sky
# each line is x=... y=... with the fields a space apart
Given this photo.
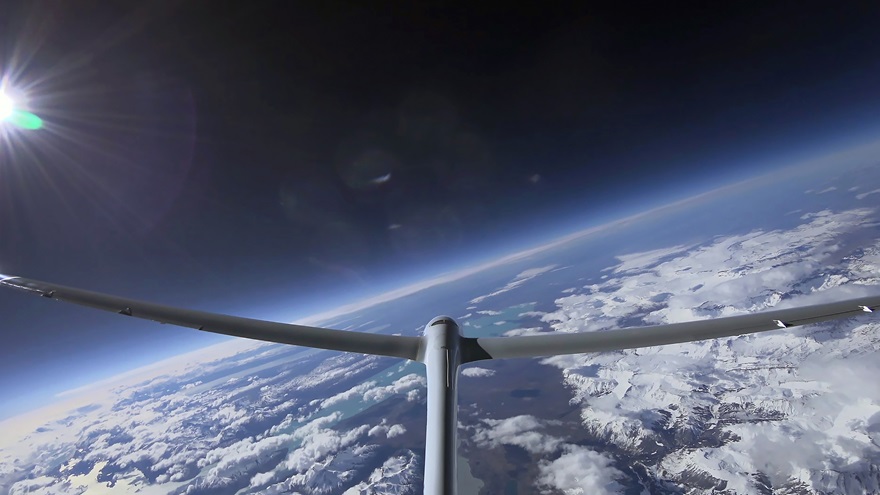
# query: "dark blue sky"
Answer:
x=250 y=156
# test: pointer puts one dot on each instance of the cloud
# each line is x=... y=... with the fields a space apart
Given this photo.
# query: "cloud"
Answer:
x=396 y=430
x=334 y=368
x=646 y=259
x=519 y=431
x=356 y=391
x=402 y=385
x=579 y=471
x=524 y=331
x=517 y=281
x=537 y=314
x=476 y=371
x=230 y=462
x=865 y=195
x=388 y=431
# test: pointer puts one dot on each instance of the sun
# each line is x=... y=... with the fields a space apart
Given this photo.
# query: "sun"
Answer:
x=11 y=112
x=7 y=106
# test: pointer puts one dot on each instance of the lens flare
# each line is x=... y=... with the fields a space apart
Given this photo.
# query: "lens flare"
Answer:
x=25 y=120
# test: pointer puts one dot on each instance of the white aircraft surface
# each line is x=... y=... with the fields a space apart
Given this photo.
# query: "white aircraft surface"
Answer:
x=443 y=349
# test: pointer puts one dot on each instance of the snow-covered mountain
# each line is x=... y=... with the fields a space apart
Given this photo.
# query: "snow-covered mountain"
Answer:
x=795 y=411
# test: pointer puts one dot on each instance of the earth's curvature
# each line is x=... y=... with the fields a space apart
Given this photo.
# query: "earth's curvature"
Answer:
x=788 y=412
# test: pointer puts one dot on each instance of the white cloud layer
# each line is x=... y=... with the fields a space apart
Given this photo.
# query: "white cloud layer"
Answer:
x=189 y=429
x=476 y=371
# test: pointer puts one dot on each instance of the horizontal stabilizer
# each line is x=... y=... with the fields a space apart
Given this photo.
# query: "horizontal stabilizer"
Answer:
x=269 y=331
x=552 y=344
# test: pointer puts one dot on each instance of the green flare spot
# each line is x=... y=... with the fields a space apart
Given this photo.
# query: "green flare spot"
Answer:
x=25 y=120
